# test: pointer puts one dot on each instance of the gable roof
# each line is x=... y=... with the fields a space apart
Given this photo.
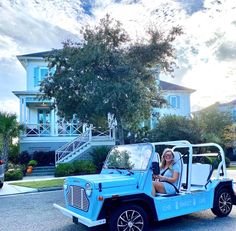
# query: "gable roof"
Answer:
x=231 y=103
x=165 y=86
x=36 y=55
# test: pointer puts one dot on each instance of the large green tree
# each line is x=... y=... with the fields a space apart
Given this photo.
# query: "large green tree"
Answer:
x=216 y=125
x=9 y=128
x=173 y=127
x=108 y=73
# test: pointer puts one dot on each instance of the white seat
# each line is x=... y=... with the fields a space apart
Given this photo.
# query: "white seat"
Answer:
x=199 y=176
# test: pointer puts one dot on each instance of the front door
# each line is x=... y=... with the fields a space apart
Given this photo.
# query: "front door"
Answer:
x=44 y=121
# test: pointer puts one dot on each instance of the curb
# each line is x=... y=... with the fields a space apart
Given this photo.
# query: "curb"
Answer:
x=49 y=189
x=35 y=190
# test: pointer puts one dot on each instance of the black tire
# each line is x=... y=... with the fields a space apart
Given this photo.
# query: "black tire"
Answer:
x=223 y=203
x=130 y=218
x=1 y=184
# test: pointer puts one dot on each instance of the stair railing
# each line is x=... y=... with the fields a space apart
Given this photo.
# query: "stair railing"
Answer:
x=72 y=146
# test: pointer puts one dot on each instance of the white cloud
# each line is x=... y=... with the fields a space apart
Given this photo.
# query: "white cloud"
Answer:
x=205 y=56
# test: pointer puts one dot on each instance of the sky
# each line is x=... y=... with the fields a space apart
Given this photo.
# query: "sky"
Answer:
x=206 y=52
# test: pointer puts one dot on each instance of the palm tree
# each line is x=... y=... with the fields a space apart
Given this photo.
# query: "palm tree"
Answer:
x=9 y=128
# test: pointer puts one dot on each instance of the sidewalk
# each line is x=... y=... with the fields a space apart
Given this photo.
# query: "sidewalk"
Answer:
x=9 y=189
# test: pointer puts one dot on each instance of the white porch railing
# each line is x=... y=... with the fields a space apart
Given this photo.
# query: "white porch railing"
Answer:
x=59 y=129
x=37 y=130
x=91 y=134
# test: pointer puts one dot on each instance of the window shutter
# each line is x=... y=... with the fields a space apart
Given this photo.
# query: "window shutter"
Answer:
x=36 y=76
x=178 y=101
x=43 y=73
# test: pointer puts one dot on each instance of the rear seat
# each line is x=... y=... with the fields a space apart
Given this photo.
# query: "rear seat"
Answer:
x=199 y=177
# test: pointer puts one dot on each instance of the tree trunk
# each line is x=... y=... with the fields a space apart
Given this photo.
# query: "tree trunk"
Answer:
x=120 y=131
x=5 y=151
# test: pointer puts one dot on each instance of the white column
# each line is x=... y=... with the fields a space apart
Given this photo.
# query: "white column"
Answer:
x=24 y=110
x=56 y=122
x=21 y=110
x=52 y=122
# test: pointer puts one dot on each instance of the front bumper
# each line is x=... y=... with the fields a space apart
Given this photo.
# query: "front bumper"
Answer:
x=81 y=219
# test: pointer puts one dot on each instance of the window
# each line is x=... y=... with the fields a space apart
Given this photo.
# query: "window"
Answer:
x=40 y=73
x=174 y=101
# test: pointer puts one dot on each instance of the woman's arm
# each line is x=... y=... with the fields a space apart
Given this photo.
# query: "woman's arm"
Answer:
x=172 y=179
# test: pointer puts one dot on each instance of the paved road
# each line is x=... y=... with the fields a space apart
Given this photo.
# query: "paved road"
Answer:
x=34 y=212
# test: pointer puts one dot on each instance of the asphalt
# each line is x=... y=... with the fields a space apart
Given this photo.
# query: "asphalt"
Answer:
x=9 y=189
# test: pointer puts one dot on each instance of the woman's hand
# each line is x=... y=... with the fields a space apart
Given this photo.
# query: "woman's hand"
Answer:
x=155 y=177
x=162 y=178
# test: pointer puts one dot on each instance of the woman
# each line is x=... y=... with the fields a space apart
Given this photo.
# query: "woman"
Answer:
x=169 y=174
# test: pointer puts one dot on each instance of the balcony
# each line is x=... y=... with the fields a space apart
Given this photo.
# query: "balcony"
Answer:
x=57 y=129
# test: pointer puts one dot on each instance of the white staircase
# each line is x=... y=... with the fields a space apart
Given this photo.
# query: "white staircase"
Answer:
x=83 y=144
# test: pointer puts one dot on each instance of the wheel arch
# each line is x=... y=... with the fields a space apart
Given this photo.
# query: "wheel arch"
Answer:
x=224 y=185
x=142 y=200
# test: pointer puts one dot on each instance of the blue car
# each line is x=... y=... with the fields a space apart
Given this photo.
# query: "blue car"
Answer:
x=120 y=196
x=1 y=173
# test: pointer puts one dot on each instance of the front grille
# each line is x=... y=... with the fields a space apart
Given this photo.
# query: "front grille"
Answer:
x=77 y=198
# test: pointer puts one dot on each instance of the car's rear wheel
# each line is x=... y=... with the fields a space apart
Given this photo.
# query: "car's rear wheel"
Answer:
x=129 y=217
x=1 y=184
x=223 y=203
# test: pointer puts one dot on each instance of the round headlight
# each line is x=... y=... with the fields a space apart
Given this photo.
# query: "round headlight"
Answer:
x=88 y=189
x=65 y=185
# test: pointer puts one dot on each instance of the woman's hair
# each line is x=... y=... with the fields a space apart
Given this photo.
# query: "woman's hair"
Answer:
x=163 y=161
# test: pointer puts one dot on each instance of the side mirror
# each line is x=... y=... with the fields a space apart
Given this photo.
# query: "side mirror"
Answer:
x=155 y=168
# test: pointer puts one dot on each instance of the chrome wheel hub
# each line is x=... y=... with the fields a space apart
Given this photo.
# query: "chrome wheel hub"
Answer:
x=225 y=202
x=130 y=220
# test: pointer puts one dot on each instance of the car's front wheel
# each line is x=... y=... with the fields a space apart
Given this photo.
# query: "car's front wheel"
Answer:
x=1 y=184
x=223 y=203
x=129 y=217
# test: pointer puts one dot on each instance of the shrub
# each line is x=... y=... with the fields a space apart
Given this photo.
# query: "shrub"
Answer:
x=44 y=158
x=82 y=167
x=32 y=163
x=227 y=161
x=14 y=153
x=214 y=161
x=99 y=155
x=13 y=174
x=78 y=167
x=64 y=169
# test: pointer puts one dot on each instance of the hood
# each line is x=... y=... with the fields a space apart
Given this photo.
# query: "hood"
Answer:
x=108 y=180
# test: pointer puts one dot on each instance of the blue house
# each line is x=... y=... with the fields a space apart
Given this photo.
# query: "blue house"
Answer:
x=46 y=131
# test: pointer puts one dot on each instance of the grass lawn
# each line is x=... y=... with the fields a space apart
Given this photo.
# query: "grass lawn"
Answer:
x=231 y=168
x=41 y=184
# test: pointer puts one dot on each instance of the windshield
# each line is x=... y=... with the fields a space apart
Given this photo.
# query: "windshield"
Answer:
x=132 y=157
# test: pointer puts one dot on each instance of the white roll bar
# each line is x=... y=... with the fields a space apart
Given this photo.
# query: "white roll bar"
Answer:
x=186 y=144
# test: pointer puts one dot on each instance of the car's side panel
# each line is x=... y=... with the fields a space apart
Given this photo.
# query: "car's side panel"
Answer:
x=178 y=205
x=145 y=201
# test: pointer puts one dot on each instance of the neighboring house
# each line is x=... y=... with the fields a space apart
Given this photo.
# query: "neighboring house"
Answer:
x=178 y=99
x=228 y=107
x=46 y=131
